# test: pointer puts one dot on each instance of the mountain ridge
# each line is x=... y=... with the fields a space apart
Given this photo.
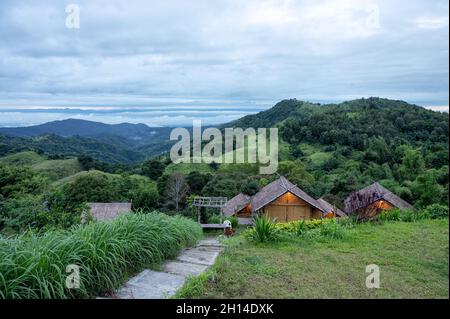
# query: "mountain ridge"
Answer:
x=349 y=123
x=85 y=128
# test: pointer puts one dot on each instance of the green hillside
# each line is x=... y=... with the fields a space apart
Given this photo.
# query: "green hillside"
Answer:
x=22 y=158
x=53 y=169
x=57 y=169
x=83 y=174
x=110 y=152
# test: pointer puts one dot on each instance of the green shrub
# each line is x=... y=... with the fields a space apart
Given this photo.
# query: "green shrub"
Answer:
x=214 y=219
x=432 y=211
x=234 y=221
x=34 y=266
x=437 y=211
x=301 y=225
x=390 y=215
x=301 y=228
x=315 y=228
x=332 y=229
x=413 y=215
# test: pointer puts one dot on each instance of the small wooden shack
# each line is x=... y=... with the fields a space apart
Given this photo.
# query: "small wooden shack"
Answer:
x=371 y=200
x=107 y=211
x=280 y=200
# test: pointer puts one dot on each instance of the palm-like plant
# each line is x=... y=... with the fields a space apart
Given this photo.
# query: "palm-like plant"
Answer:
x=264 y=229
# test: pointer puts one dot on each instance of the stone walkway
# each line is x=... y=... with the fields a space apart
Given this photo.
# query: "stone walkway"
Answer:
x=150 y=284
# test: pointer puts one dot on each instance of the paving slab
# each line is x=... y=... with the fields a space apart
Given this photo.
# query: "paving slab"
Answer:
x=151 y=284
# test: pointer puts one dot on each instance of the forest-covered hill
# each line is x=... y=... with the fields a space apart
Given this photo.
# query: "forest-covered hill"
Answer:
x=110 y=143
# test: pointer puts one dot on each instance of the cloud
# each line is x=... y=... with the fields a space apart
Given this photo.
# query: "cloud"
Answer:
x=432 y=23
x=247 y=53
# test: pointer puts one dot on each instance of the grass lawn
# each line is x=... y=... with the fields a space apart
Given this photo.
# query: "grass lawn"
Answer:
x=413 y=260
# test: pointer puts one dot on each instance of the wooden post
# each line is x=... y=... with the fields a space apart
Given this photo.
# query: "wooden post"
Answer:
x=198 y=213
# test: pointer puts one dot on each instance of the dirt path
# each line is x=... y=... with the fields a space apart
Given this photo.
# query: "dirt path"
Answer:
x=150 y=284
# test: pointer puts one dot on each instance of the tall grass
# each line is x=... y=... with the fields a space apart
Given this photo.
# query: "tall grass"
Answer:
x=34 y=266
x=333 y=230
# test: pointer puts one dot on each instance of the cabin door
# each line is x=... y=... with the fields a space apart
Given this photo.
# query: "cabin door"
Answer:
x=297 y=212
x=276 y=212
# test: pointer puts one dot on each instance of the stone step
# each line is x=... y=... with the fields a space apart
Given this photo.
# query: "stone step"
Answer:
x=150 y=284
x=197 y=256
x=210 y=242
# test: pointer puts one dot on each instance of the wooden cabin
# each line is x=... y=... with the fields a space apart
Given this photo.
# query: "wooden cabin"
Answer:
x=372 y=200
x=280 y=200
x=107 y=211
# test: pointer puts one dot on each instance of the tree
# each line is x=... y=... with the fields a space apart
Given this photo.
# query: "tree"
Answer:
x=145 y=197
x=16 y=181
x=94 y=186
x=86 y=162
x=378 y=151
x=250 y=188
x=161 y=184
x=214 y=166
x=20 y=213
x=412 y=165
x=426 y=190
x=176 y=189
x=196 y=181
x=296 y=172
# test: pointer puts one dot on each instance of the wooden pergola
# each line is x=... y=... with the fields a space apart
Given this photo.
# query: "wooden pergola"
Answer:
x=212 y=202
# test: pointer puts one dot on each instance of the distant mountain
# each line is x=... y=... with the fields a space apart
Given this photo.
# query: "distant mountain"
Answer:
x=139 y=134
x=113 y=143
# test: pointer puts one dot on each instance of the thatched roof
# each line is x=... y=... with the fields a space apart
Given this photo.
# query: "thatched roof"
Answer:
x=236 y=204
x=277 y=188
x=371 y=194
x=330 y=208
x=106 y=211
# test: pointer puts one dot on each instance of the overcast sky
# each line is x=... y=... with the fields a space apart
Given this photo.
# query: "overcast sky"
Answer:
x=167 y=62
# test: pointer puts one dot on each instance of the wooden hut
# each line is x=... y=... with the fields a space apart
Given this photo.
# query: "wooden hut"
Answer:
x=240 y=207
x=280 y=200
x=371 y=200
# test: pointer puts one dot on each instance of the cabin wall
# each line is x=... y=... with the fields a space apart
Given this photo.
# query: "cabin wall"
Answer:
x=289 y=207
x=316 y=214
